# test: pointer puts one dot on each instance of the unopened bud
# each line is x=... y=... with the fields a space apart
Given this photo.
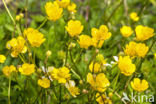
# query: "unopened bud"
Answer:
x=48 y=53
x=84 y=91
x=110 y=94
x=81 y=81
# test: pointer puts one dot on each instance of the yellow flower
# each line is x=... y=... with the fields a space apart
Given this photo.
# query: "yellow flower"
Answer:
x=74 y=91
x=16 y=45
x=53 y=11
x=99 y=82
x=2 y=58
x=139 y=85
x=141 y=50
x=27 y=69
x=126 y=66
x=44 y=82
x=99 y=35
x=61 y=74
x=18 y=17
x=134 y=49
x=63 y=3
x=155 y=55
x=126 y=31
x=134 y=16
x=72 y=7
x=7 y=70
x=95 y=68
x=143 y=32
x=102 y=99
x=131 y=49
x=34 y=37
x=74 y=28
x=85 y=41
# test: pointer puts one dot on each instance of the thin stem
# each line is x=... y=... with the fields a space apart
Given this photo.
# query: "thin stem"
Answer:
x=26 y=14
x=60 y=97
x=45 y=20
x=9 y=90
x=22 y=58
x=8 y=12
x=74 y=63
x=114 y=11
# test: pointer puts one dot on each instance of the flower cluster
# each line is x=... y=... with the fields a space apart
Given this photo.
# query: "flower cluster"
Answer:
x=84 y=66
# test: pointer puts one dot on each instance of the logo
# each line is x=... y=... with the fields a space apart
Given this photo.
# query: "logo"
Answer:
x=138 y=98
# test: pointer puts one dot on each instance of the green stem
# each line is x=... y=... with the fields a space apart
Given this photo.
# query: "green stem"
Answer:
x=22 y=58
x=9 y=90
x=116 y=79
x=43 y=23
x=8 y=11
x=60 y=97
x=26 y=14
x=121 y=2
x=77 y=71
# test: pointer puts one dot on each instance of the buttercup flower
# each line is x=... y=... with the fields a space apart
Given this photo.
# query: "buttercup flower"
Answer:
x=44 y=82
x=131 y=49
x=143 y=32
x=99 y=35
x=27 y=69
x=2 y=58
x=134 y=49
x=74 y=28
x=134 y=16
x=61 y=74
x=102 y=99
x=34 y=37
x=126 y=31
x=16 y=45
x=95 y=68
x=155 y=55
x=141 y=49
x=63 y=3
x=139 y=85
x=85 y=41
x=74 y=91
x=99 y=82
x=72 y=7
x=126 y=66
x=7 y=70
x=53 y=11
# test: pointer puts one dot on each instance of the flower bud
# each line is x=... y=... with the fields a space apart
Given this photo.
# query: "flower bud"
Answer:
x=48 y=53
